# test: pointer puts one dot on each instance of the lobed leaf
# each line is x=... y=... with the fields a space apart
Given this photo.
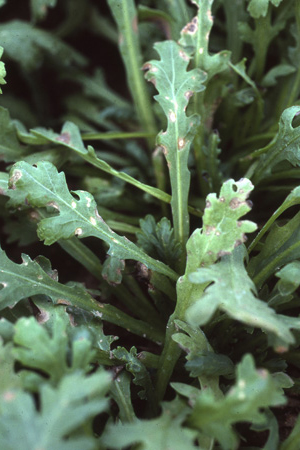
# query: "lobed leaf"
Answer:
x=233 y=292
x=166 y=431
x=222 y=230
x=176 y=85
x=259 y=8
x=62 y=412
x=51 y=354
x=253 y=390
x=43 y=186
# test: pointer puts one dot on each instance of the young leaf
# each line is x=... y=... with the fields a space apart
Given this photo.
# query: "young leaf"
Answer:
x=158 y=240
x=176 y=85
x=253 y=390
x=39 y=8
x=44 y=186
x=233 y=292
x=51 y=354
x=140 y=374
x=61 y=414
x=259 y=8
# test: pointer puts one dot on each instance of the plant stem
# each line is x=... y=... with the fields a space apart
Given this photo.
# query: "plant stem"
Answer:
x=125 y=15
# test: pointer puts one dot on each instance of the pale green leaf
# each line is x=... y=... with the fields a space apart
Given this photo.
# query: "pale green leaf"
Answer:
x=259 y=8
x=39 y=8
x=164 y=432
x=62 y=412
x=195 y=39
x=233 y=292
x=72 y=215
x=253 y=390
x=289 y=278
x=222 y=230
x=2 y=69
x=175 y=86
x=284 y=146
x=51 y=354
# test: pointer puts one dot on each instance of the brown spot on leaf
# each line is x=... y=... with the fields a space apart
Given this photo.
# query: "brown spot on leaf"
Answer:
x=135 y=24
x=183 y=55
x=234 y=203
x=146 y=67
x=207 y=204
x=191 y=27
x=64 y=137
x=42 y=316
x=62 y=301
x=8 y=396
x=222 y=199
x=209 y=229
x=181 y=143
x=223 y=253
x=188 y=94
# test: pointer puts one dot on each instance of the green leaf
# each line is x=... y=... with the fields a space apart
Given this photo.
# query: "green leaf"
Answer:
x=28 y=45
x=61 y=414
x=44 y=186
x=176 y=85
x=233 y=292
x=120 y=392
x=195 y=38
x=10 y=148
x=158 y=240
x=9 y=378
x=201 y=360
x=51 y=354
x=166 y=431
x=112 y=270
x=253 y=390
x=284 y=146
x=140 y=374
x=39 y=8
x=282 y=70
x=70 y=138
x=2 y=69
x=281 y=247
x=289 y=278
x=34 y=280
x=222 y=230
x=259 y=8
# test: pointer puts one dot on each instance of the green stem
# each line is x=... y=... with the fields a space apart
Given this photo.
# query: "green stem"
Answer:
x=116 y=135
x=125 y=15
